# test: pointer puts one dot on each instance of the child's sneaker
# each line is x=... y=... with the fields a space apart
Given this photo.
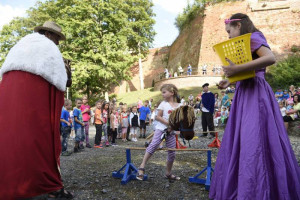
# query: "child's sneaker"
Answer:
x=81 y=146
x=107 y=144
x=97 y=146
x=101 y=146
x=88 y=146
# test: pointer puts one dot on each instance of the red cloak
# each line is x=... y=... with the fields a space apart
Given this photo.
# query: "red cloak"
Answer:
x=30 y=109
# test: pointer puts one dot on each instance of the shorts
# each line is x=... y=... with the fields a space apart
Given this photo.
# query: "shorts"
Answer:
x=287 y=118
x=142 y=124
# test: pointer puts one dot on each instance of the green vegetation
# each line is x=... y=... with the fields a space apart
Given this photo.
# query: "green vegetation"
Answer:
x=147 y=94
x=102 y=38
x=285 y=73
x=191 y=11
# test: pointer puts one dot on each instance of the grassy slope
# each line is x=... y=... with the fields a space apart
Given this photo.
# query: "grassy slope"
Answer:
x=146 y=94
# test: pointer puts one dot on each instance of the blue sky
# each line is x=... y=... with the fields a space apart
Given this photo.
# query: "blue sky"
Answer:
x=165 y=10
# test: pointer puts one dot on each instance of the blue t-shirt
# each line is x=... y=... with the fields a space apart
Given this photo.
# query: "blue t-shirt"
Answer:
x=66 y=116
x=285 y=96
x=279 y=93
x=77 y=113
x=144 y=111
x=224 y=99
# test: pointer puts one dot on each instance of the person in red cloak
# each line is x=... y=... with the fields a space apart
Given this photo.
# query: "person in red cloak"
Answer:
x=31 y=99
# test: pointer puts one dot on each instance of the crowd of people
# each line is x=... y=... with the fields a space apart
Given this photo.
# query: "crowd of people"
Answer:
x=112 y=121
x=289 y=103
x=216 y=70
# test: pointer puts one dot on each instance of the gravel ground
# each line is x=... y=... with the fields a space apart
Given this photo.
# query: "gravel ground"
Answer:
x=89 y=173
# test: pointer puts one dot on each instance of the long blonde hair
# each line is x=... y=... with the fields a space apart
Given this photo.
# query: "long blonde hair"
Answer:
x=171 y=88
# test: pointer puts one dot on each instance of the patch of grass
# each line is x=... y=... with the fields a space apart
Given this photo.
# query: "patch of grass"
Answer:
x=132 y=97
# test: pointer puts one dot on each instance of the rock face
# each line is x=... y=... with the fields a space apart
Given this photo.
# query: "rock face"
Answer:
x=277 y=19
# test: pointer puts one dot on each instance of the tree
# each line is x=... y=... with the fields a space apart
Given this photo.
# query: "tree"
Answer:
x=285 y=73
x=102 y=37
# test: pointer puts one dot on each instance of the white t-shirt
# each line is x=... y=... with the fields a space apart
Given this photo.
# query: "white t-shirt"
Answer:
x=167 y=110
x=282 y=110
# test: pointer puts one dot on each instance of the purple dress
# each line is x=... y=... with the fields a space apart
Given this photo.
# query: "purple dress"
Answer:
x=256 y=160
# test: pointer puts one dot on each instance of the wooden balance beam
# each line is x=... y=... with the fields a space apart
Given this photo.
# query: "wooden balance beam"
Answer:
x=130 y=171
x=168 y=149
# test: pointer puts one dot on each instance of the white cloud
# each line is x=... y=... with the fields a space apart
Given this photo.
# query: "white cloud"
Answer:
x=7 y=13
x=172 y=6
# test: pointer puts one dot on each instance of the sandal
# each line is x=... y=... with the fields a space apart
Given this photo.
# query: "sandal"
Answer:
x=172 y=177
x=61 y=194
x=140 y=176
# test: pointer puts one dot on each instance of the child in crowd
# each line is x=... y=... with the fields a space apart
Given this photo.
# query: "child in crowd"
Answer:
x=128 y=128
x=78 y=126
x=134 y=121
x=285 y=97
x=114 y=123
x=224 y=115
x=105 y=120
x=217 y=117
x=72 y=125
x=282 y=109
x=66 y=126
x=144 y=114
x=256 y=159
x=118 y=114
x=86 y=116
x=98 y=124
x=170 y=103
x=124 y=123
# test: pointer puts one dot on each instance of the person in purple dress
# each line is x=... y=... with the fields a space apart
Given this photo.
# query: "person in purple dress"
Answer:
x=256 y=160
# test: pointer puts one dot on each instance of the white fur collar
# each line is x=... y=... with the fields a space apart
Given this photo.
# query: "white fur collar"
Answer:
x=38 y=55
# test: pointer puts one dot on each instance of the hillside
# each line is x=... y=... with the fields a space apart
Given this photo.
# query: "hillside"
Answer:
x=277 y=19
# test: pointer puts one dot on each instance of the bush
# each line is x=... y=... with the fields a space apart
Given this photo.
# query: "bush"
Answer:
x=295 y=49
x=285 y=73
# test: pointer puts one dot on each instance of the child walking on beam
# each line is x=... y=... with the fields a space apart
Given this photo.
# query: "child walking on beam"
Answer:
x=170 y=103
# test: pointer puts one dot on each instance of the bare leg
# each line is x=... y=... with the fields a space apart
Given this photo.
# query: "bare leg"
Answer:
x=169 y=167
x=147 y=156
x=286 y=124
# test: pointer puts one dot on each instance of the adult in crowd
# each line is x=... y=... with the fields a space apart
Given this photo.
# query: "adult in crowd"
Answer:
x=294 y=113
x=204 y=69
x=180 y=70
x=208 y=106
x=166 y=73
x=31 y=99
x=292 y=91
x=189 y=70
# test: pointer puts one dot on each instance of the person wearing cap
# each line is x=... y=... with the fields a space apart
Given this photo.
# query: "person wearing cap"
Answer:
x=31 y=99
x=208 y=106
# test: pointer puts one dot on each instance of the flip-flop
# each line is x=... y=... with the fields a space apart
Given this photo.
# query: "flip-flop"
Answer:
x=139 y=176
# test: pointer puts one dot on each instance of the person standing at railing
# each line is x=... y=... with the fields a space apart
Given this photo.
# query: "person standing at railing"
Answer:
x=180 y=70
x=189 y=70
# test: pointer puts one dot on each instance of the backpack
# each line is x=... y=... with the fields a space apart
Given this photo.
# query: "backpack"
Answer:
x=183 y=119
x=134 y=120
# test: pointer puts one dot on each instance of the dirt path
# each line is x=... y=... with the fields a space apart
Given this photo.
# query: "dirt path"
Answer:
x=89 y=174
